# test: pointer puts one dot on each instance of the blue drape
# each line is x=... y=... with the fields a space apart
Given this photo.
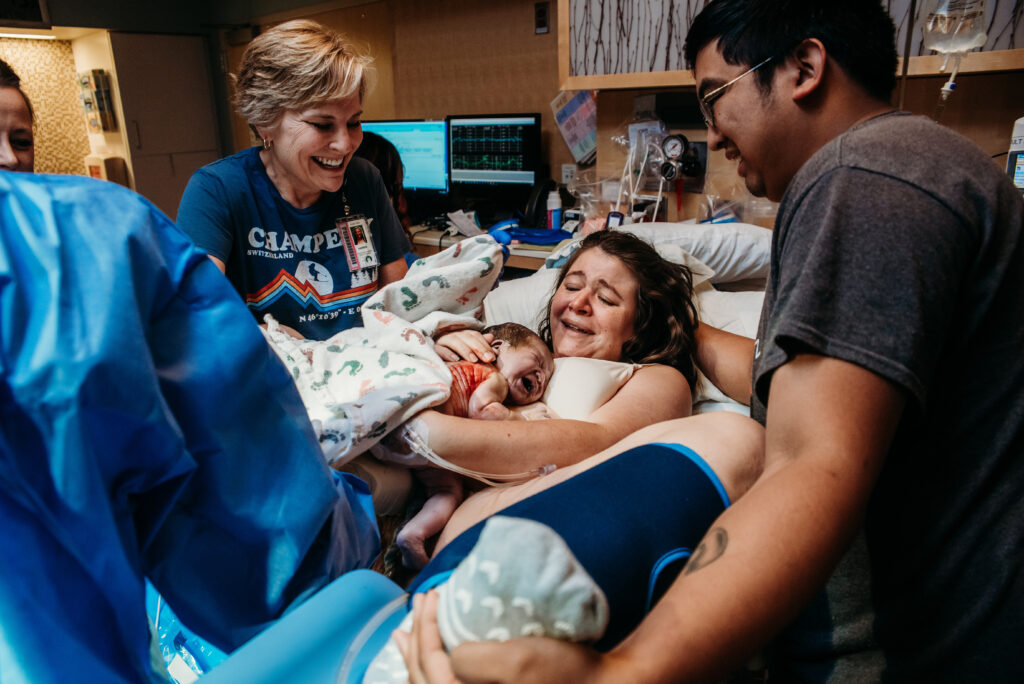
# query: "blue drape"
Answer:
x=146 y=429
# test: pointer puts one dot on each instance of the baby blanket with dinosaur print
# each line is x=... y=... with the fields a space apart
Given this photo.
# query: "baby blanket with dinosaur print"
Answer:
x=362 y=383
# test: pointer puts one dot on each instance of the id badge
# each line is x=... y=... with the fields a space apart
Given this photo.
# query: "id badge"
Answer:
x=358 y=242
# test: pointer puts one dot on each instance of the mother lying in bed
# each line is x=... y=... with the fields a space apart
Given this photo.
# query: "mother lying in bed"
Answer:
x=616 y=299
x=639 y=482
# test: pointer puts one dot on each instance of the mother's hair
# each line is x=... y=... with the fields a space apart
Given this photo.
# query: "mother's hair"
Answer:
x=664 y=330
x=9 y=79
x=296 y=65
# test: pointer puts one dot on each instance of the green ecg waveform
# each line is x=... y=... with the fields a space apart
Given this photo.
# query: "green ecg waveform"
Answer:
x=487 y=162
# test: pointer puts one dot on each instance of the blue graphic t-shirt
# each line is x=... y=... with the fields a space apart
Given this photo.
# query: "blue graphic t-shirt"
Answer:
x=291 y=263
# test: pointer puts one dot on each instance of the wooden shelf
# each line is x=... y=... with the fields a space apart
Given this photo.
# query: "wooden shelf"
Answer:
x=427 y=242
x=973 y=63
x=650 y=79
x=930 y=65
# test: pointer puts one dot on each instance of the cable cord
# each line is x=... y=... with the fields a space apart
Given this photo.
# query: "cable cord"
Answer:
x=416 y=443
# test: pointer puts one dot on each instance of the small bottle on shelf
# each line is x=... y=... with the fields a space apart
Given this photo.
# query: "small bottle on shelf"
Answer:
x=554 y=210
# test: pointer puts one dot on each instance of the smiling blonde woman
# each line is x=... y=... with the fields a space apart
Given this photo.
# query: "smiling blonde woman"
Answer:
x=282 y=219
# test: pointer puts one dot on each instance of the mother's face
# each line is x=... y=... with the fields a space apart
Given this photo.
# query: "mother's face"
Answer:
x=593 y=310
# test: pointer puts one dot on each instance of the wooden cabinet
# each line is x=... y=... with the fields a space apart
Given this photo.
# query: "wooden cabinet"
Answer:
x=170 y=117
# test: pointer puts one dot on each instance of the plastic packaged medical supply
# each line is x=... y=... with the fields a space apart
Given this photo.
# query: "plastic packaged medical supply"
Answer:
x=554 y=210
x=951 y=28
x=954 y=26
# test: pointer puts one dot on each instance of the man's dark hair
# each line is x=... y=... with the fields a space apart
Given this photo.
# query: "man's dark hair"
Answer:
x=858 y=34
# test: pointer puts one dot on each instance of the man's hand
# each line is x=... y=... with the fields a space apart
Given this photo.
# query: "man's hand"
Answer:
x=516 y=661
x=422 y=648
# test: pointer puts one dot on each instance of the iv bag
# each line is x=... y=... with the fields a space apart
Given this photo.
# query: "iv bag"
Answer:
x=954 y=26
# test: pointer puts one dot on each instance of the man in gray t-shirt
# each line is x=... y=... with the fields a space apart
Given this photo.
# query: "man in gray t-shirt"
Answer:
x=887 y=257
x=887 y=367
x=887 y=372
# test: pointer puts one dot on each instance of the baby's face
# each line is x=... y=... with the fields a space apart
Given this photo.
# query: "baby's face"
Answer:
x=527 y=368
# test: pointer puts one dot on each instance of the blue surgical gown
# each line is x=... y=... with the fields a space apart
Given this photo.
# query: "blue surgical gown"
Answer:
x=146 y=429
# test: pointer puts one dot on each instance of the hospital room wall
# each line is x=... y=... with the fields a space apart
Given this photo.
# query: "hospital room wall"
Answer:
x=983 y=109
x=49 y=77
x=447 y=57
x=370 y=28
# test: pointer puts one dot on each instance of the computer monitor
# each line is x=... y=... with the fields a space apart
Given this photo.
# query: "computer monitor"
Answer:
x=494 y=149
x=423 y=147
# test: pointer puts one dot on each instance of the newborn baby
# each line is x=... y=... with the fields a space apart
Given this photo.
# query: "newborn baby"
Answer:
x=519 y=375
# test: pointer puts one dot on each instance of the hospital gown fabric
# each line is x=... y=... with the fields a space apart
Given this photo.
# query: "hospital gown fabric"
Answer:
x=145 y=430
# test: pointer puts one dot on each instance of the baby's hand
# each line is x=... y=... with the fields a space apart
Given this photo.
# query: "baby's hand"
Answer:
x=494 y=411
x=538 y=410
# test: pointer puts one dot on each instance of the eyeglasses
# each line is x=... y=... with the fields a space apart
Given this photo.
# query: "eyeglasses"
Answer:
x=707 y=100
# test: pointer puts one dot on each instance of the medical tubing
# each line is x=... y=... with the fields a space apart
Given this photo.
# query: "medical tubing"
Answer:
x=657 y=205
x=416 y=442
x=622 y=180
x=949 y=86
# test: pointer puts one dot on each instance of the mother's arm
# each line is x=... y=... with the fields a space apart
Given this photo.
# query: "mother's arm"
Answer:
x=654 y=394
x=727 y=361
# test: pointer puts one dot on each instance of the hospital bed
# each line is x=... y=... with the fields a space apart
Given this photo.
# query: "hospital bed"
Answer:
x=333 y=636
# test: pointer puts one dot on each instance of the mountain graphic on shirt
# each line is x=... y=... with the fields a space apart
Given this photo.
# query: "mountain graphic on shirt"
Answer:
x=307 y=294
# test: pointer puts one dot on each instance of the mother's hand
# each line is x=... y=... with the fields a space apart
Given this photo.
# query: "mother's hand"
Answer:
x=468 y=345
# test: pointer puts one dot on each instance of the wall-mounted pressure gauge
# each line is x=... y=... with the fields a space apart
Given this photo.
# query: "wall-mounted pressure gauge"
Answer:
x=674 y=146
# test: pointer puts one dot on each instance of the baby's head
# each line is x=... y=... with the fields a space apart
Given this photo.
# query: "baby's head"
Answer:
x=524 y=360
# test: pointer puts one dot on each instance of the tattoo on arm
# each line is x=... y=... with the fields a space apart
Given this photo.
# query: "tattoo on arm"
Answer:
x=710 y=550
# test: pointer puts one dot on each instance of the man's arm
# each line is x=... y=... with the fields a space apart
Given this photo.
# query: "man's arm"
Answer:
x=829 y=427
x=727 y=360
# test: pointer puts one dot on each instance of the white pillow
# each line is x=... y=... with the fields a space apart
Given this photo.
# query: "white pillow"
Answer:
x=700 y=271
x=735 y=312
x=734 y=251
x=522 y=300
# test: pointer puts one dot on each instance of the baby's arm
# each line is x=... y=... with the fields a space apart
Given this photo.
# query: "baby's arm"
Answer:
x=486 y=400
